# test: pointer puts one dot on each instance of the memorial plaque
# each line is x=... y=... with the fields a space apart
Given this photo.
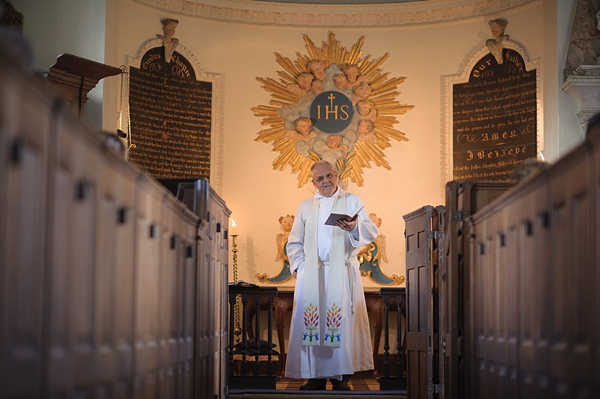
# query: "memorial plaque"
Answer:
x=170 y=116
x=494 y=119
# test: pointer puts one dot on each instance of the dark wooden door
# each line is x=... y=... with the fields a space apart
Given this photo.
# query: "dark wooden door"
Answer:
x=463 y=199
x=419 y=312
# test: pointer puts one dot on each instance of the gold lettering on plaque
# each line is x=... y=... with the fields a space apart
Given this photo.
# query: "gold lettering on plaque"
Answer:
x=170 y=122
x=494 y=119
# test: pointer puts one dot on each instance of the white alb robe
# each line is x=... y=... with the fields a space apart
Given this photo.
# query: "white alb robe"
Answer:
x=356 y=352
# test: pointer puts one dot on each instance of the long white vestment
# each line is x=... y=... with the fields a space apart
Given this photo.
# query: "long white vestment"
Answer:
x=356 y=353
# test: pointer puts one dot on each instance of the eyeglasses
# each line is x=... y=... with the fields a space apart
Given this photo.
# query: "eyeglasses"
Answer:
x=328 y=176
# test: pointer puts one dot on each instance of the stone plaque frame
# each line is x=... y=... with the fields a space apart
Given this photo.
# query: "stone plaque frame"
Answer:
x=463 y=77
x=217 y=136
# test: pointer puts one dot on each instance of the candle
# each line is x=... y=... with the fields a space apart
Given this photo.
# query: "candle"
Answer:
x=233 y=228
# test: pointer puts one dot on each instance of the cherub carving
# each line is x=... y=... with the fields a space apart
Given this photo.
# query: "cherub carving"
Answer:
x=324 y=74
x=366 y=110
x=317 y=68
x=286 y=223
x=316 y=86
x=360 y=92
x=304 y=80
x=381 y=240
x=169 y=42
x=366 y=127
x=303 y=130
x=341 y=84
x=335 y=149
x=498 y=26
x=352 y=72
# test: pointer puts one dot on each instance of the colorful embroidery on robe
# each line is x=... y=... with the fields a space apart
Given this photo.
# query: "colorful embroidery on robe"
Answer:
x=333 y=324
x=312 y=263
x=311 y=324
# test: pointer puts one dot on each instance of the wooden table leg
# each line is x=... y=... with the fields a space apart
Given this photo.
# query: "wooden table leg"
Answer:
x=283 y=303
x=375 y=305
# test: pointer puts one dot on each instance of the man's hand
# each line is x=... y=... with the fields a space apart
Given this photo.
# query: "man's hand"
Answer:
x=295 y=274
x=347 y=224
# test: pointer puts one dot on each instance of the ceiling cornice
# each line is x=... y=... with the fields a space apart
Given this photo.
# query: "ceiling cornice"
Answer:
x=370 y=16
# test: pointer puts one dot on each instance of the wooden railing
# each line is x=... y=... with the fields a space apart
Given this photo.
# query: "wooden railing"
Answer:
x=394 y=378
x=256 y=363
x=250 y=349
x=110 y=286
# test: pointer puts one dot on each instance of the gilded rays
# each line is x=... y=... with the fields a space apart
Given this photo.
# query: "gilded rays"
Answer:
x=361 y=142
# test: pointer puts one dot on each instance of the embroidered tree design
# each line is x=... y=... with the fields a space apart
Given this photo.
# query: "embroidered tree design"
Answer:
x=333 y=321
x=311 y=320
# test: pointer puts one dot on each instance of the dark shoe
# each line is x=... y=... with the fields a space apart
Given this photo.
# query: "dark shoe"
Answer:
x=315 y=384
x=340 y=385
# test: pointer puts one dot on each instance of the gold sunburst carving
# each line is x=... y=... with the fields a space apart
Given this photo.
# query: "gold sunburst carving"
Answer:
x=284 y=93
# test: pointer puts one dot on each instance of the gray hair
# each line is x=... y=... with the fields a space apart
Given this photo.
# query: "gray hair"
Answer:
x=321 y=163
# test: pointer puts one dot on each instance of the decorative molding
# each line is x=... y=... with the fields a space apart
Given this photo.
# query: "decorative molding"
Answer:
x=217 y=136
x=370 y=16
x=584 y=85
x=463 y=77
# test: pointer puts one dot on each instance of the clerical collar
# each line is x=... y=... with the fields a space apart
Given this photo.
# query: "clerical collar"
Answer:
x=337 y=192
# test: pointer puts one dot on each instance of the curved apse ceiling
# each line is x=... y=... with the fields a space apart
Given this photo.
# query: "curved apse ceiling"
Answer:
x=341 y=2
x=339 y=14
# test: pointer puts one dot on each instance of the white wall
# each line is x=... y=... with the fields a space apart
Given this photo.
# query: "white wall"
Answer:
x=77 y=27
x=256 y=193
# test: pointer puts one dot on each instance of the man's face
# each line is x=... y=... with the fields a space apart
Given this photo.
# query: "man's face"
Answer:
x=325 y=179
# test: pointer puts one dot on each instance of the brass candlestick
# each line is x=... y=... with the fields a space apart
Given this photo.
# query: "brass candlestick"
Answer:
x=236 y=330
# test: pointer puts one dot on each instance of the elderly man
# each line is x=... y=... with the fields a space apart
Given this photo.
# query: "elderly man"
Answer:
x=329 y=335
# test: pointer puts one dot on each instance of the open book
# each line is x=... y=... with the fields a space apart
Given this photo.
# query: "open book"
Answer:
x=334 y=217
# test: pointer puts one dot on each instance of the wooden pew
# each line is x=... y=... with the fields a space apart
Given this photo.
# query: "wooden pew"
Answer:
x=534 y=276
x=438 y=290
x=110 y=286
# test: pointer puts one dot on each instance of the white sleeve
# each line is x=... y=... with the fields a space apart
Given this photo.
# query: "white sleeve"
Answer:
x=365 y=231
x=295 y=244
x=354 y=235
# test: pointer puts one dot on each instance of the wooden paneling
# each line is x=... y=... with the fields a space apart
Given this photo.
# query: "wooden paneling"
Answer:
x=534 y=294
x=419 y=312
x=213 y=291
x=25 y=126
x=149 y=242
x=455 y=281
x=595 y=263
x=103 y=272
